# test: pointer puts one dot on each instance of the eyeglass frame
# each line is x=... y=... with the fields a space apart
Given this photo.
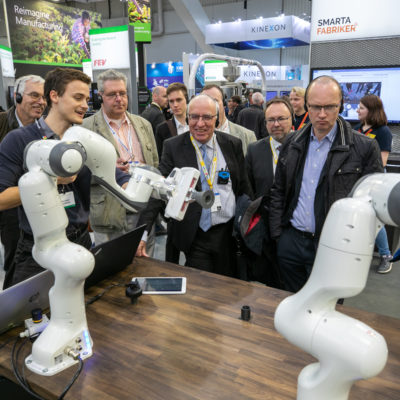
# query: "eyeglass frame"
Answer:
x=36 y=96
x=328 y=108
x=279 y=120
x=114 y=95
x=205 y=117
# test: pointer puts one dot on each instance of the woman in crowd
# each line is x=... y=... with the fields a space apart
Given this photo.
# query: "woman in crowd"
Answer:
x=296 y=98
x=373 y=123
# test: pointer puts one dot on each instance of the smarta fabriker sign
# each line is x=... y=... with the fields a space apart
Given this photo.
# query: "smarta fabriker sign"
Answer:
x=355 y=19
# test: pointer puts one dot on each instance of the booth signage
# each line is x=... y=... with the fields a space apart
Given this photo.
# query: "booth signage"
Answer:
x=260 y=33
x=48 y=33
x=343 y=19
x=110 y=48
x=213 y=71
x=7 y=65
x=139 y=12
x=163 y=74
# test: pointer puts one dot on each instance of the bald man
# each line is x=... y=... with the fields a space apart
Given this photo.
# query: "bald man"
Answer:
x=317 y=165
x=154 y=113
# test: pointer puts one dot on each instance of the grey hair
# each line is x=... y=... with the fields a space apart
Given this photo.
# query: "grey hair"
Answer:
x=257 y=98
x=110 y=75
x=19 y=85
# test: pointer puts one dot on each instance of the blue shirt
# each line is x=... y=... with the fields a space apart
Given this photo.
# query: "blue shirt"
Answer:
x=11 y=169
x=303 y=216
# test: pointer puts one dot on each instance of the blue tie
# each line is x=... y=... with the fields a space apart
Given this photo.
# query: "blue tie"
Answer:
x=205 y=219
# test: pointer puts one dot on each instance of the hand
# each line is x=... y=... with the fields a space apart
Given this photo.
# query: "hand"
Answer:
x=141 y=250
x=67 y=180
x=122 y=165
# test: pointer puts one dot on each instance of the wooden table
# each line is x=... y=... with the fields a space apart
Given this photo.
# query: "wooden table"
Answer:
x=195 y=346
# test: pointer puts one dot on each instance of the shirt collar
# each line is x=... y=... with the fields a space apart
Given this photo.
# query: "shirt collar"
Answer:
x=108 y=120
x=178 y=124
x=209 y=144
x=18 y=120
x=45 y=130
x=276 y=144
x=330 y=136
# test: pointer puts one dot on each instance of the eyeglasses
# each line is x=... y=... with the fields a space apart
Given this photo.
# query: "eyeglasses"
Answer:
x=205 y=118
x=114 y=95
x=328 y=108
x=36 y=96
x=279 y=120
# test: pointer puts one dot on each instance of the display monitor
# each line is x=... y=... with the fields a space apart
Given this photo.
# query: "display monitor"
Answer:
x=358 y=82
x=271 y=94
x=285 y=93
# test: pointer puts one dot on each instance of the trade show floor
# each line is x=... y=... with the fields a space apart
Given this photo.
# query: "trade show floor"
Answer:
x=381 y=295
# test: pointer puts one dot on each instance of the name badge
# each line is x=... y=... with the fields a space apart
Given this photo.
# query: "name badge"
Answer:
x=217 y=206
x=68 y=199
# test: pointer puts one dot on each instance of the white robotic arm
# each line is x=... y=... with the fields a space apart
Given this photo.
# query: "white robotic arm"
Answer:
x=346 y=348
x=67 y=337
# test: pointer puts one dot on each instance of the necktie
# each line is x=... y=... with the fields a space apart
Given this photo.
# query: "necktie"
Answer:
x=205 y=219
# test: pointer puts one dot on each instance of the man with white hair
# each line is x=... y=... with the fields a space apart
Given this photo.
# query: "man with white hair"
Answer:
x=29 y=104
x=205 y=236
x=249 y=117
x=154 y=113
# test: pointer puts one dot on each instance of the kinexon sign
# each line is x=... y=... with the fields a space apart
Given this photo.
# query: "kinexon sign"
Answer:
x=260 y=33
x=347 y=20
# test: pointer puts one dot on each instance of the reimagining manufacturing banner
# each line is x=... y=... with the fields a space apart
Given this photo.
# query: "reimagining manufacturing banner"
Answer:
x=48 y=33
x=139 y=12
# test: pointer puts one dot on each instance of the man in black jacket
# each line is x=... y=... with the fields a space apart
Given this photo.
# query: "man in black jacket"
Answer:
x=205 y=236
x=317 y=166
x=154 y=113
x=249 y=117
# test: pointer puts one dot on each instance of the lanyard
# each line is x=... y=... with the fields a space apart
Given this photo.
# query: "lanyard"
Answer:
x=274 y=153
x=130 y=150
x=209 y=179
x=302 y=121
x=366 y=133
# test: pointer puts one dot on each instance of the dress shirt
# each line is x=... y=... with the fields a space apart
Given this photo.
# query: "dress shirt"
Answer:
x=228 y=201
x=303 y=215
x=180 y=128
x=277 y=146
x=126 y=138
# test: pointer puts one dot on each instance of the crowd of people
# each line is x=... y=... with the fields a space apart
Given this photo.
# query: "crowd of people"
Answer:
x=287 y=160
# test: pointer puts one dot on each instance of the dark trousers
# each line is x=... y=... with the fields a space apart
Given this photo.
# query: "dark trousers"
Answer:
x=9 y=233
x=24 y=266
x=171 y=252
x=296 y=253
x=214 y=250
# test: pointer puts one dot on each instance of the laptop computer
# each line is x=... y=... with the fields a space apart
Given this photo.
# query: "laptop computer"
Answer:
x=111 y=257
x=114 y=256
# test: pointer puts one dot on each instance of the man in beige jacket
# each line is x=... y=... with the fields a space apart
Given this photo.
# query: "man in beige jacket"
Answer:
x=133 y=139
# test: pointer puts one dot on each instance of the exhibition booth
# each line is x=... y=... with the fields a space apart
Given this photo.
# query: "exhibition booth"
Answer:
x=217 y=337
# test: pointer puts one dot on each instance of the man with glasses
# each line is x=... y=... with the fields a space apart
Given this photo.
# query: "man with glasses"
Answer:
x=261 y=159
x=133 y=139
x=205 y=236
x=317 y=166
x=29 y=104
